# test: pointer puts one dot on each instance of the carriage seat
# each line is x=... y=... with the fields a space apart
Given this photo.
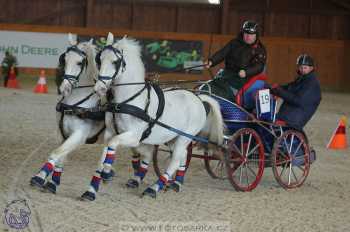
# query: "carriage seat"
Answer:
x=246 y=95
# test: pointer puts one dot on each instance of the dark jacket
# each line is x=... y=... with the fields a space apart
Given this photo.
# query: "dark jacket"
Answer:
x=7 y=63
x=301 y=99
x=241 y=56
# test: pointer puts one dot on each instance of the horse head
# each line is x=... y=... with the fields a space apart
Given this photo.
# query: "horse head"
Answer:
x=79 y=65
x=113 y=60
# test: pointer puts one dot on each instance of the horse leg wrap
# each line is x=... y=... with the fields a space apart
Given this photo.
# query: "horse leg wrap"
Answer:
x=135 y=163
x=138 y=176
x=51 y=186
x=46 y=169
x=95 y=182
x=179 y=179
x=56 y=176
x=40 y=178
x=161 y=182
x=107 y=172
x=142 y=170
x=180 y=174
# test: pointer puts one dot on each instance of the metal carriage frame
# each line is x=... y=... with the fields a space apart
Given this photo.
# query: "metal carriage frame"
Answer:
x=249 y=146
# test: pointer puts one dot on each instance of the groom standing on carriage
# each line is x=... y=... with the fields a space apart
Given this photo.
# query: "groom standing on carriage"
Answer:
x=244 y=56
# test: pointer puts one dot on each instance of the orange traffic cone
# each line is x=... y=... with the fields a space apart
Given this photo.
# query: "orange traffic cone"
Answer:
x=12 y=81
x=41 y=86
x=338 y=139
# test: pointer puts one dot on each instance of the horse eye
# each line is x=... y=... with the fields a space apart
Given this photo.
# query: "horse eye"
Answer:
x=80 y=63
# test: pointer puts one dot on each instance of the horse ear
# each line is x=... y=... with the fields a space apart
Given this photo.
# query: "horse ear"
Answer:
x=71 y=40
x=91 y=41
x=125 y=36
x=110 y=39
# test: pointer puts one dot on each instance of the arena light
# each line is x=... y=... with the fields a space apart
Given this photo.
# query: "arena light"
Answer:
x=214 y=2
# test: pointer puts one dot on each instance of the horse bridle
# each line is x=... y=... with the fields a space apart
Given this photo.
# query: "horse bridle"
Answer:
x=120 y=63
x=71 y=78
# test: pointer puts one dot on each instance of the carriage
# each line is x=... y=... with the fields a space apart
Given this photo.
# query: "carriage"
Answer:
x=253 y=140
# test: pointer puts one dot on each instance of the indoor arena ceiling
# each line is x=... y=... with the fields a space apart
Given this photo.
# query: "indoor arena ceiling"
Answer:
x=187 y=1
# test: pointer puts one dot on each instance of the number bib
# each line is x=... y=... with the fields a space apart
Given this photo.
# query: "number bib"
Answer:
x=264 y=98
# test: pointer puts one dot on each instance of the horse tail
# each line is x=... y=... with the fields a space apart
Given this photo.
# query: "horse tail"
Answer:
x=214 y=126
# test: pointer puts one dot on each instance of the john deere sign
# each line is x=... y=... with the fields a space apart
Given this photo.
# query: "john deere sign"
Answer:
x=34 y=49
x=165 y=55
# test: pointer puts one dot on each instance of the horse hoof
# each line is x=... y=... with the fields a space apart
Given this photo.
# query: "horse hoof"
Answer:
x=107 y=176
x=50 y=187
x=176 y=186
x=132 y=183
x=149 y=192
x=37 y=181
x=88 y=196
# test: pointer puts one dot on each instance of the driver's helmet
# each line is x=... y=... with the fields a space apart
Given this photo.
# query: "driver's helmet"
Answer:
x=250 y=27
x=305 y=59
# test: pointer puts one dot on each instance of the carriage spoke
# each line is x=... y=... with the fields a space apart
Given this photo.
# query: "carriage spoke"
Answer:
x=240 y=173
x=249 y=141
x=290 y=172
x=300 y=167
x=217 y=166
x=296 y=152
x=222 y=170
x=295 y=177
x=282 y=162
x=253 y=150
x=281 y=153
x=285 y=143
x=239 y=152
x=255 y=160
x=242 y=148
x=246 y=173
x=251 y=170
x=291 y=144
x=283 y=169
x=235 y=160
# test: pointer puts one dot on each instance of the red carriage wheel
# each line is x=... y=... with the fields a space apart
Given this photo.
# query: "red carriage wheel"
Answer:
x=162 y=156
x=215 y=166
x=245 y=159
x=290 y=159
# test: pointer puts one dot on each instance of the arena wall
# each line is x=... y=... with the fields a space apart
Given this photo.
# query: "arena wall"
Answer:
x=332 y=56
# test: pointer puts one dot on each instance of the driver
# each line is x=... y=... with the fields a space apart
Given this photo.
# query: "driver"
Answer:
x=244 y=56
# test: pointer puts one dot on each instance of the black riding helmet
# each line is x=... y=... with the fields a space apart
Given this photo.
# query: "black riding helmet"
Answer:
x=305 y=59
x=250 y=27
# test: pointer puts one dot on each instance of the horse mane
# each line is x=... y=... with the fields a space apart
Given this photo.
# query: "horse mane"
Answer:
x=131 y=50
x=90 y=50
x=129 y=47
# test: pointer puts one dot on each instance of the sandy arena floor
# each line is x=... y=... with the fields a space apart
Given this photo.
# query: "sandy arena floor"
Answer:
x=28 y=133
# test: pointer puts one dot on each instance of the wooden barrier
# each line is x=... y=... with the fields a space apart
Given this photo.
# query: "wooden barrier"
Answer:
x=331 y=56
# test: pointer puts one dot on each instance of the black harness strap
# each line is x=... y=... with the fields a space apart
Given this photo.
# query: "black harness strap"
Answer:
x=124 y=108
x=161 y=103
x=95 y=113
x=96 y=116
x=111 y=105
x=136 y=94
x=115 y=124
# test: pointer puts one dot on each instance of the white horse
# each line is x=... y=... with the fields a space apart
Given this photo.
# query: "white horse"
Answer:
x=136 y=101
x=78 y=117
